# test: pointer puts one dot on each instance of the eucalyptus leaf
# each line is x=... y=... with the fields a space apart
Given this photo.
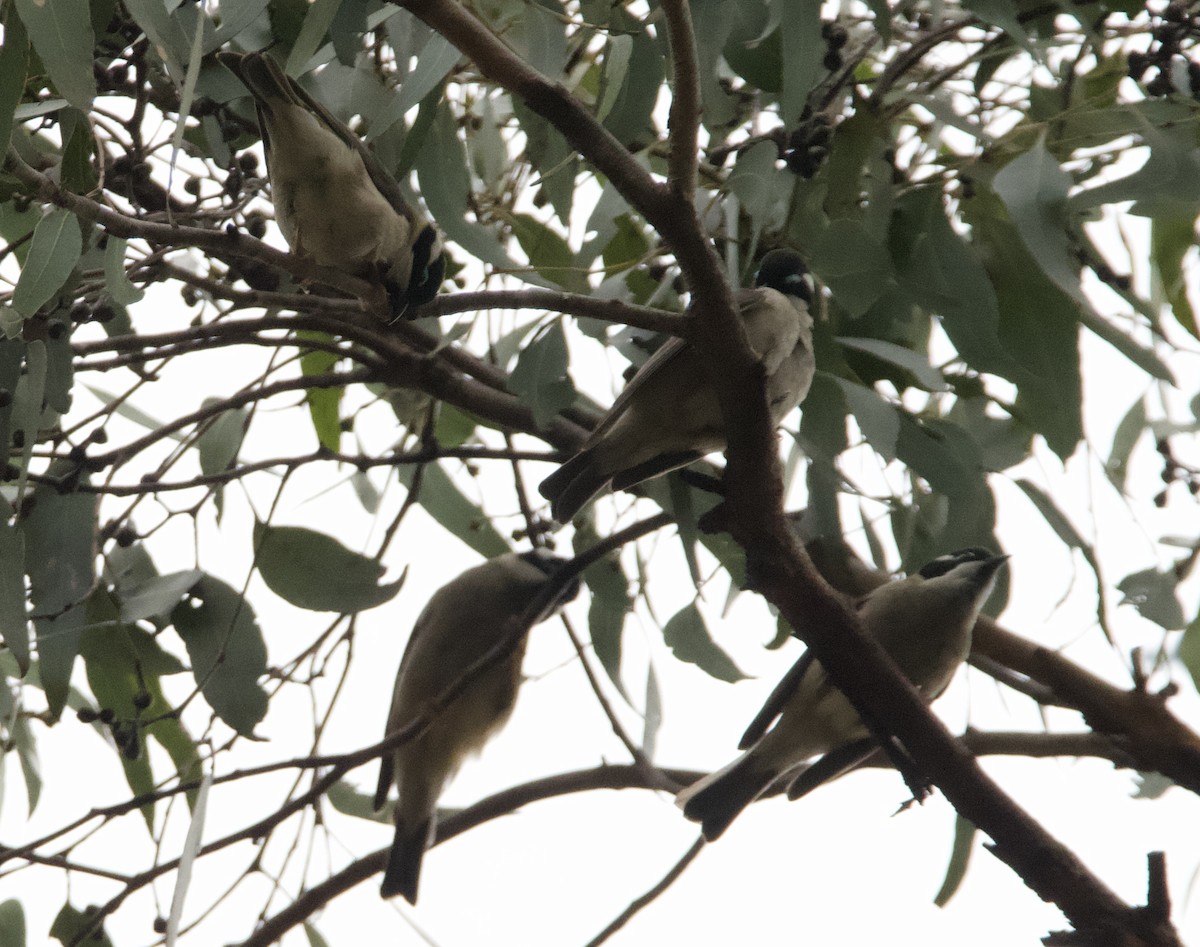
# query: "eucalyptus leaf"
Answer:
x=314 y=571
x=689 y=640
x=227 y=651
x=56 y=248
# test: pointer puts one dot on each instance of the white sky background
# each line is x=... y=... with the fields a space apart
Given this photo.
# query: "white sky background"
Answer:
x=834 y=868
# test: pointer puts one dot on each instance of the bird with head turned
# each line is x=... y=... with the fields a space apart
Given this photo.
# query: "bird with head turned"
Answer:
x=463 y=621
x=923 y=622
x=668 y=414
x=334 y=202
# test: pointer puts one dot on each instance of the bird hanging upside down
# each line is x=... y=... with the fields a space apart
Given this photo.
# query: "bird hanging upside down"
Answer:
x=334 y=202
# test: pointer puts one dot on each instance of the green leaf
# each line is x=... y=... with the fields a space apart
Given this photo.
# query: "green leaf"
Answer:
x=445 y=182
x=609 y=605
x=348 y=800
x=688 y=638
x=801 y=47
x=1034 y=189
x=1171 y=238
x=315 y=571
x=77 y=170
x=433 y=64
x=540 y=378
x=60 y=561
x=221 y=439
x=61 y=32
x=548 y=253
x=26 y=745
x=617 y=51
x=56 y=248
x=1065 y=531
x=551 y=156
x=12 y=919
x=1129 y=431
x=123 y=666
x=653 y=716
x=631 y=117
x=1040 y=329
x=14 y=622
x=314 y=936
x=323 y=403
x=960 y=857
x=73 y=927
x=227 y=652
x=116 y=281
x=1153 y=594
x=157 y=596
x=442 y=500
x=854 y=265
x=760 y=186
x=312 y=34
x=916 y=363
x=14 y=60
x=1189 y=650
x=877 y=419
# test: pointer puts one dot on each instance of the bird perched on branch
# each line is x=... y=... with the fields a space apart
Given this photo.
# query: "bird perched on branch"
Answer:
x=463 y=621
x=924 y=623
x=334 y=202
x=668 y=414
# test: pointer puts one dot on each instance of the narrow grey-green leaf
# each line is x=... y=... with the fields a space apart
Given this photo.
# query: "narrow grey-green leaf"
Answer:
x=800 y=32
x=158 y=596
x=61 y=32
x=688 y=638
x=23 y=739
x=960 y=857
x=1153 y=594
x=220 y=442
x=12 y=923
x=1125 y=438
x=115 y=279
x=1034 y=189
x=348 y=800
x=928 y=376
x=540 y=378
x=55 y=249
x=610 y=602
x=441 y=167
x=60 y=560
x=314 y=936
x=315 y=571
x=14 y=622
x=1189 y=650
x=878 y=420
x=653 y=715
x=227 y=652
x=312 y=34
x=450 y=507
x=853 y=264
x=14 y=61
x=1062 y=527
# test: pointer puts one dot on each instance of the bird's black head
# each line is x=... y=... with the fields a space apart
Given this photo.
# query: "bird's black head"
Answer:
x=428 y=268
x=552 y=565
x=784 y=270
x=943 y=564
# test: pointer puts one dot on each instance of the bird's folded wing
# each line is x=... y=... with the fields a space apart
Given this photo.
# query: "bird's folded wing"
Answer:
x=779 y=696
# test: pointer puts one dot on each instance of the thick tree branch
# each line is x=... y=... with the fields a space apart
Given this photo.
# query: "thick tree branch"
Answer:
x=683 y=120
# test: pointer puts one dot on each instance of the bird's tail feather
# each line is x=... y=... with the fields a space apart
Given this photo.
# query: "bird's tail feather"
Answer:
x=571 y=486
x=403 y=871
x=717 y=799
